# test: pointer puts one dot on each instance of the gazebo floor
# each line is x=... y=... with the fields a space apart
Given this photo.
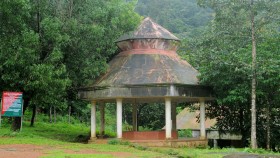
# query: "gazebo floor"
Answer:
x=189 y=142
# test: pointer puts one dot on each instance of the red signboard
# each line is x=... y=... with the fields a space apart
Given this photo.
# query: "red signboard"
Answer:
x=12 y=104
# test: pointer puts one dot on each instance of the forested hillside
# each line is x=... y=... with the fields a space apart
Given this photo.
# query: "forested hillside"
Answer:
x=182 y=17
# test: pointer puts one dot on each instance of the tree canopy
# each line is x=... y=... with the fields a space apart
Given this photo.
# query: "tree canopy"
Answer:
x=223 y=56
x=50 y=48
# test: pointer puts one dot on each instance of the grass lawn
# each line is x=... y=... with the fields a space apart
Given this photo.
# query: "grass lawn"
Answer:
x=65 y=140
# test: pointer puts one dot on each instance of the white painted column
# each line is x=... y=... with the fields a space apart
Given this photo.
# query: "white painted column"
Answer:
x=168 y=125
x=134 y=117
x=93 y=121
x=202 y=119
x=119 y=118
x=102 y=119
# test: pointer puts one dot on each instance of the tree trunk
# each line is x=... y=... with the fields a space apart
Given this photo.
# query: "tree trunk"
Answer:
x=54 y=114
x=268 y=127
x=243 y=131
x=25 y=105
x=69 y=114
x=33 y=116
x=70 y=10
x=38 y=20
x=16 y=124
x=254 y=78
x=140 y=107
x=102 y=120
x=51 y=118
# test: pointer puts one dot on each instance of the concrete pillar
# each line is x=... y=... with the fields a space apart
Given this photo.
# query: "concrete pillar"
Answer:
x=168 y=122
x=215 y=143
x=134 y=117
x=173 y=116
x=119 y=118
x=202 y=119
x=93 y=121
x=102 y=119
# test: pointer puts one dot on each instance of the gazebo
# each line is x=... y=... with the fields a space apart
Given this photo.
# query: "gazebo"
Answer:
x=147 y=70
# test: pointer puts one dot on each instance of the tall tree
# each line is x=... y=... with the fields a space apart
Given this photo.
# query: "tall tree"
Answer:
x=30 y=51
x=17 y=43
x=236 y=26
x=51 y=48
x=254 y=80
x=92 y=27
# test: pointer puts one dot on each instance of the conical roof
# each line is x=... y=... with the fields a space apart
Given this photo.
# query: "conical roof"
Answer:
x=149 y=59
x=147 y=67
x=148 y=29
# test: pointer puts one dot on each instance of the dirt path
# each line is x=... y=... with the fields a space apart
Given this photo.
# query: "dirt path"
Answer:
x=88 y=151
x=35 y=151
x=21 y=150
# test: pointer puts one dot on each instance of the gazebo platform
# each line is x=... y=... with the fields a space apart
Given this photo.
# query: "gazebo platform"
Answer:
x=191 y=142
x=147 y=135
x=176 y=143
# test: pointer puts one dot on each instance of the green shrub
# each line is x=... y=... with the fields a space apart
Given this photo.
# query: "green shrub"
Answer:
x=118 y=142
x=110 y=134
x=172 y=152
x=139 y=147
x=201 y=146
x=125 y=143
x=258 y=151
x=114 y=142
x=187 y=133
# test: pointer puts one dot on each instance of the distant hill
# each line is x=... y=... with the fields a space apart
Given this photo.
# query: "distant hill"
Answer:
x=184 y=18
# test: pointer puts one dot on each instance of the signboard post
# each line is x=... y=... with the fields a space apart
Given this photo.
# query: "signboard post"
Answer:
x=12 y=105
x=1 y=113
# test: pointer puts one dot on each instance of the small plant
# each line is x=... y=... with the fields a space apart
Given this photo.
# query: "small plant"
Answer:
x=81 y=138
x=172 y=152
x=258 y=151
x=118 y=142
x=139 y=147
x=124 y=142
x=114 y=142
x=185 y=133
x=11 y=134
x=110 y=134
x=201 y=146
